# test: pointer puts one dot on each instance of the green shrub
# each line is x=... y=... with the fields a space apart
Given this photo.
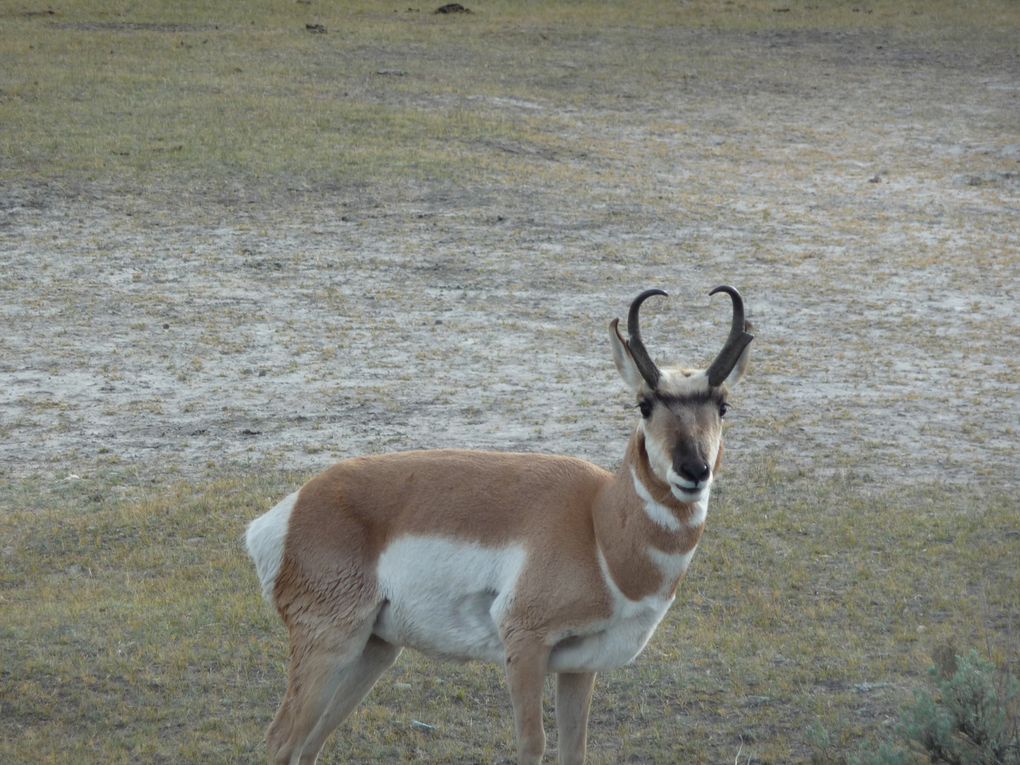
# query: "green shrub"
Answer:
x=970 y=719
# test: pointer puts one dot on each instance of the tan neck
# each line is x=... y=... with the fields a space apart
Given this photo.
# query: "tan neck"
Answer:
x=626 y=533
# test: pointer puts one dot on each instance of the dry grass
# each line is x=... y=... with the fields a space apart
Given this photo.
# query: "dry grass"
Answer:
x=191 y=92
x=133 y=630
x=228 y=244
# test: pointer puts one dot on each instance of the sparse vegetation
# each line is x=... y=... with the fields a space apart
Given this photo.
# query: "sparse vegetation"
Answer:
x=133 y=629
x=970 y=717
x=233 y=249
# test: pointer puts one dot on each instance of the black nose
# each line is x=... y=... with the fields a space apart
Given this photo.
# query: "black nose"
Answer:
x=695 y=470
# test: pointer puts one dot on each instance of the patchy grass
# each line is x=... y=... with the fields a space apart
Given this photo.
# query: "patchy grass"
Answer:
x=238 y=240
x=185 y=91
x=133 y=629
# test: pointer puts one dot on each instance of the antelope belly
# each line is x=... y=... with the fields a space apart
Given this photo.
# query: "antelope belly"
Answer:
x=445 y=597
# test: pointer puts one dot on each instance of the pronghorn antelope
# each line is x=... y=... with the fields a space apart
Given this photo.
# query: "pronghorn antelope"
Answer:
x=543 y=563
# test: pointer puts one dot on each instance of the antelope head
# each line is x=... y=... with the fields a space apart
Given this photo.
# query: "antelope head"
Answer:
x=682 y=409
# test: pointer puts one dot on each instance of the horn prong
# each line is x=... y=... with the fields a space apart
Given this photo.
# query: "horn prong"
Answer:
x=645 y=365
x=735 y=343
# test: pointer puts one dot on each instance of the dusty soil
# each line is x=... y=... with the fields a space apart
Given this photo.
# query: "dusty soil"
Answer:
x=861 y=189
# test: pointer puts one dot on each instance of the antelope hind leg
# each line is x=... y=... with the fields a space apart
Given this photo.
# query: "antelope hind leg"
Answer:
x=357 y=680
x=319 y=666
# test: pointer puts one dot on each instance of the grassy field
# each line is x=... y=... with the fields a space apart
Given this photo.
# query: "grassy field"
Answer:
x=132 y=629
x=241 y=240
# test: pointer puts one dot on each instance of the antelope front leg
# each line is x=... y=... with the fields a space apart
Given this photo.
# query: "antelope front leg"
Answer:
x=526 y=662
x=573 y=700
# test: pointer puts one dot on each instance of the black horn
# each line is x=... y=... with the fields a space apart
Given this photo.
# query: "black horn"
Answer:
x=735 y=343
x=644 y=363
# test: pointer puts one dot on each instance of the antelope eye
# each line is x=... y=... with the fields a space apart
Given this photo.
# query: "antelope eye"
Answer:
x=646 y=407
x=723 y=409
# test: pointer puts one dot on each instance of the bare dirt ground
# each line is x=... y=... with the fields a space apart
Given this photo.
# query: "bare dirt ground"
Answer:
x=862 y=190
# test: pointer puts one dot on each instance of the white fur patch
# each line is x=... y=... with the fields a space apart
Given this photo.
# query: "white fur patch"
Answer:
x=659 y=461
x=683 y=382
x=672 y=565
x=446 y=597
x=265 y=538
x=699 y=510
x=615 y=641
x=659 y=513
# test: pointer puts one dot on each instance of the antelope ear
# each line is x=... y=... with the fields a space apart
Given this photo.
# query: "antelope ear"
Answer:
x=624 y=361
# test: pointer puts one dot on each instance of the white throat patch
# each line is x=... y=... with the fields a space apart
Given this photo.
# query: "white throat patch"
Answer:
x=659 y=513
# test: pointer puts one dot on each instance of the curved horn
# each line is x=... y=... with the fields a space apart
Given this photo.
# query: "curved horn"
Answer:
x=644 y=363
x=735 y=343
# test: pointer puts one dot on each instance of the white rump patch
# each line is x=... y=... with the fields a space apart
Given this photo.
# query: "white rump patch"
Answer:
x=265 y=539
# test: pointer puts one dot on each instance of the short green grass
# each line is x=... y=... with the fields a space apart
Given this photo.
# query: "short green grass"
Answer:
x=133 y=630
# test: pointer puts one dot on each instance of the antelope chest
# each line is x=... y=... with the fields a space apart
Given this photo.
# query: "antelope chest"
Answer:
x=615 y=641
x=621 y=638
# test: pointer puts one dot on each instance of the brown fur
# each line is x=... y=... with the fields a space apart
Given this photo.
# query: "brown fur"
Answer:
x=565 y=513
x=629 y=531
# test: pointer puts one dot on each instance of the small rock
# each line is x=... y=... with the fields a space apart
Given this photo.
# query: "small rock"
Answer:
x=452 y=8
